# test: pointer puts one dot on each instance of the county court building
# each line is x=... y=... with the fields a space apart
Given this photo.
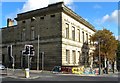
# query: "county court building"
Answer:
x=64 y=37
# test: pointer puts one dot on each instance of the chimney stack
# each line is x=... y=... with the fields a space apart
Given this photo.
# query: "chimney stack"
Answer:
x=10 y=22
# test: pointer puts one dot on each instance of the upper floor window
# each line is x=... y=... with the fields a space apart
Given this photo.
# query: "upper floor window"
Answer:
x=23 y=35
x=23 y=21
x=32 y=19
x=83 y=36
x=73 y=33
x=87 y=37
x=78 y=34
x=90 y=39
x=32 y=33
x=67 y=30
x=42 y=17
x=52 y=15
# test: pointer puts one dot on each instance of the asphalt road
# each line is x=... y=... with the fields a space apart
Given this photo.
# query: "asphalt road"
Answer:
x=61 y=77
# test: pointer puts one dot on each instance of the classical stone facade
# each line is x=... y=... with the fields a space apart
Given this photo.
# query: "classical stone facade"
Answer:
x=64 y=37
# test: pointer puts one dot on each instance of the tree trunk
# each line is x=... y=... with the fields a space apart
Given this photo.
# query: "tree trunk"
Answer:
x=107 y=66
x=113 y=66
x=105 y=61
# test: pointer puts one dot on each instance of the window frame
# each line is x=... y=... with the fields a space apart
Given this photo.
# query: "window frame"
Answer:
x=73 y=33
x=67 y=30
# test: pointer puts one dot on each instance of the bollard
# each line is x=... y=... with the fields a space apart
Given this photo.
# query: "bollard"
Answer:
x=27 y=73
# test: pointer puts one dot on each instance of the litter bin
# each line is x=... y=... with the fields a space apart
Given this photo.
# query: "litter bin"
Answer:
x=27 y=73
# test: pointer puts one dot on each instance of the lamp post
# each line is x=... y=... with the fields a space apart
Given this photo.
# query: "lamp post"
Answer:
x=38 y=54
x=99 y=57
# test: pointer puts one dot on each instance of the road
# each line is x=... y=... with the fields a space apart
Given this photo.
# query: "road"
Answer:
x=38 y=76
x=63 y=77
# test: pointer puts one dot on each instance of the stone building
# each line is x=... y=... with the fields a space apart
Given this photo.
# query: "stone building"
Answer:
x=64 y=37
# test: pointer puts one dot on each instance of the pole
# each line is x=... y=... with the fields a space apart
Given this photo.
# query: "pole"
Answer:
x=38 y=55
x=42 y=61
x=28 y=61
x=99 y=59
x=21 y=60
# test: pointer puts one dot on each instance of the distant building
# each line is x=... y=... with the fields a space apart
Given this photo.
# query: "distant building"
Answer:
x=64 y=37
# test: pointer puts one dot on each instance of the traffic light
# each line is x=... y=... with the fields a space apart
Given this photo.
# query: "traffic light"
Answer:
x=27 y=50
x=32 y=51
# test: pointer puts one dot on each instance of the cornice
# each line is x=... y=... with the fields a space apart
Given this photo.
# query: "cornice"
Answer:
x=78 y=18
x=54 y=8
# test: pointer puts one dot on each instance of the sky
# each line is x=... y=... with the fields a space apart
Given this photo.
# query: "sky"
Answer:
x=98 y=13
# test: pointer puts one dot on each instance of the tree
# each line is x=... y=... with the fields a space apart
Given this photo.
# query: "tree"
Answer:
x=108 y=45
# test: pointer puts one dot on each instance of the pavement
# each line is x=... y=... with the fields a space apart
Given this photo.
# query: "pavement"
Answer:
x=20 y=74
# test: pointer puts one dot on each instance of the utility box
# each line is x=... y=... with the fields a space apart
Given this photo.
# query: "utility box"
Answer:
x=27 y=73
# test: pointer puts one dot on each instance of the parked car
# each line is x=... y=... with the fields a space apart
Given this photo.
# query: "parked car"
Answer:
x=2 y=67
x=3 y=70
x=56 y=69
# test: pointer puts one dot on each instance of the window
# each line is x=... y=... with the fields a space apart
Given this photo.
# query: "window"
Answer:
x=67 y=56
x=52 y=15
x=67 y=30
x=83 y=36
x=23 y=35
x=23 y=21
x=73 y=33
x=86 y=37
x=78 y=33
x=41 y=17
x=90 y=40
x=74 y=57
x=32 y=33
x=32 y=19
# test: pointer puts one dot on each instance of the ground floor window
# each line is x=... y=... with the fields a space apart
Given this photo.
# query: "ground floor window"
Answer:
x=67 y=56
x=74 y=56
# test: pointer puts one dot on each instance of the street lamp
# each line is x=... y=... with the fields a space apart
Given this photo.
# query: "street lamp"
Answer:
x=38 y=53
x=99 y=56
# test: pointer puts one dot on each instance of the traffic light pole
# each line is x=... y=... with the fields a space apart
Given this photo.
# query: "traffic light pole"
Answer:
x=28 y=61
